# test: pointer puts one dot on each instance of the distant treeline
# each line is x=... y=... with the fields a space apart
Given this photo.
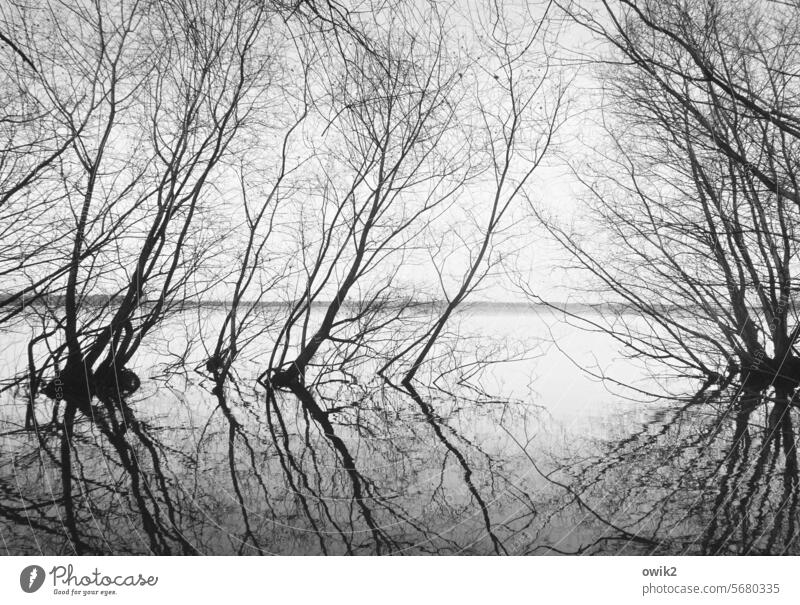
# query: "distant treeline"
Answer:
x=100 y=300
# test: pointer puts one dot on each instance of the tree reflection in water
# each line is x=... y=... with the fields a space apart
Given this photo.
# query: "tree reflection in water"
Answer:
x=387 y=470
x=373 y=467
x=712 y=474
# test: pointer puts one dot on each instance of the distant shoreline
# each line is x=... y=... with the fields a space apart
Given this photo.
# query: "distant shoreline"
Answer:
x=482 y=305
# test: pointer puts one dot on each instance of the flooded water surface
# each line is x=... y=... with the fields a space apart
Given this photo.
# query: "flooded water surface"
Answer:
x=552 y=449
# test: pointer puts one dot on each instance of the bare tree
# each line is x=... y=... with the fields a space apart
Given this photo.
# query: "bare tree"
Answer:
x=692 y=243
x=157 y=93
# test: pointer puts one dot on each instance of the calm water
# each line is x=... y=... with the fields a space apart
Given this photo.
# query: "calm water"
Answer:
x=536 y=454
